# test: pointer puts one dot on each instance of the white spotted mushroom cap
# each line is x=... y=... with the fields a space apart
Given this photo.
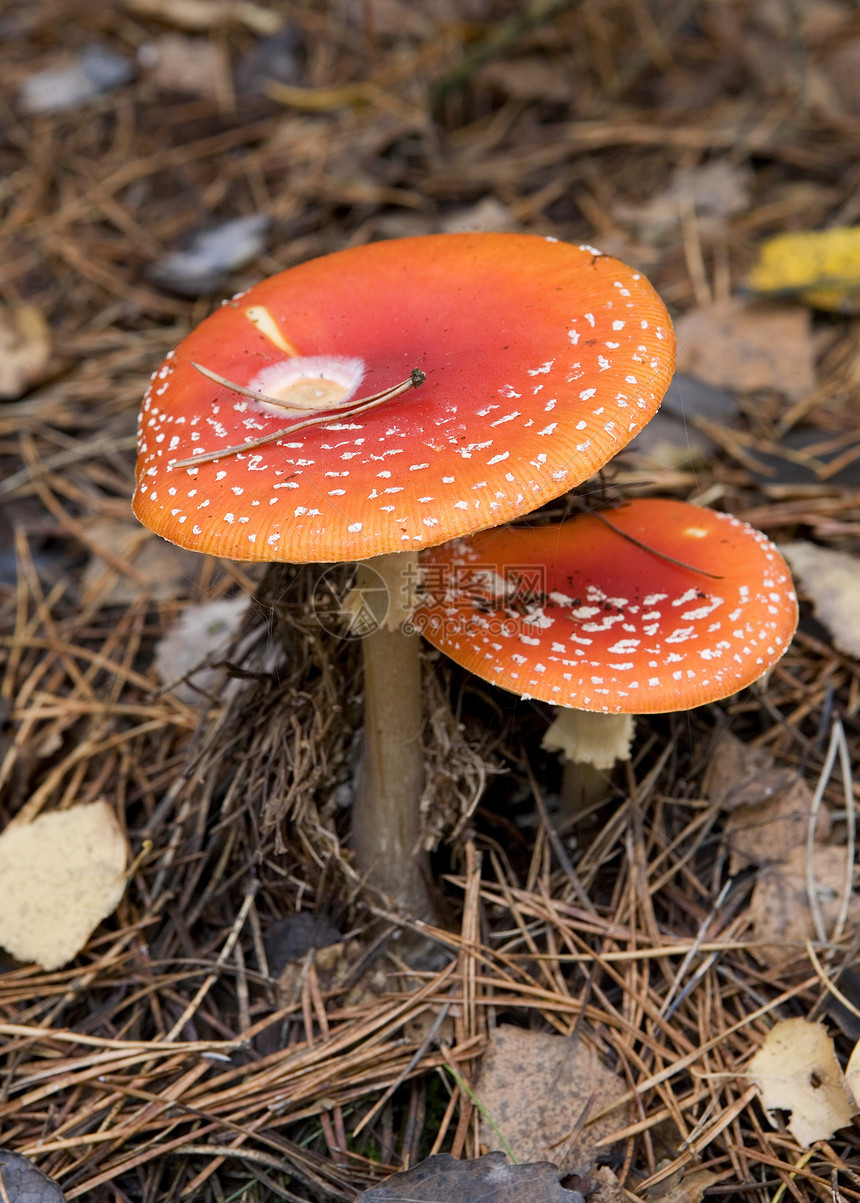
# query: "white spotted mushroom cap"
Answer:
x=542 y=360
x=606 y=617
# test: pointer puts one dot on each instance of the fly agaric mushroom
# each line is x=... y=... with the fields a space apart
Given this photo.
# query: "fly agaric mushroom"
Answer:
x=655 y=606
x=286 y=428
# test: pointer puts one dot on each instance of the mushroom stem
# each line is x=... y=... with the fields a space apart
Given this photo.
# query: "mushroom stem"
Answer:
x=590 y=743
x=582 y=785
x=387 y=819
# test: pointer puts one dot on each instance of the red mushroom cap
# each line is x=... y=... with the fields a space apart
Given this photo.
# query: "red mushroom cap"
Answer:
x=542 y=360
x=607 y=617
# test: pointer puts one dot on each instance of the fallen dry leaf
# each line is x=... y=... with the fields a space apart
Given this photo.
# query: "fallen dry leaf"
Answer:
x=531 y=77
x=796 y=1070
x=605 y=1187
x=22 y=1182
x=488 y=1179
x=195 y=66
x=821 y=266
x=769 y=832
x=153 y=566
x=779 y=908
x=688 y=1187
x=488 y=214
x=713 y=191
x=831 y=579
x=205 y=15
x=767 y=827
x=536 y=1088
x=736 y=345
x=741 y=775
x=199 y=637
x=59 y=877
x=25 y=350
x=852 y=1071
x=843 y=75
x=769 y=807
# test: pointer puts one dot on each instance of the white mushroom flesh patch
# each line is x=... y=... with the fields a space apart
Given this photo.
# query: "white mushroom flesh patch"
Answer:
x=325 y=381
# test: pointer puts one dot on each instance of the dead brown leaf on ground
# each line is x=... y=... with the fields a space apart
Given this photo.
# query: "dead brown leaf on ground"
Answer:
x=536 y=1093
x=781 y=909
x=486 y=1179
x=736 y=344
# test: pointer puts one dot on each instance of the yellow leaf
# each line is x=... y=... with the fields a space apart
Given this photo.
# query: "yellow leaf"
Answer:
x=822 y=267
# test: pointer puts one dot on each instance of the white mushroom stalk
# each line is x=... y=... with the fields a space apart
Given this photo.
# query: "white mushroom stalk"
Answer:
x=386 y=833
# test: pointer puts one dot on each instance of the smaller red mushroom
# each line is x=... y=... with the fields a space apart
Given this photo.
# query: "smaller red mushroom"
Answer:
x=650 y=607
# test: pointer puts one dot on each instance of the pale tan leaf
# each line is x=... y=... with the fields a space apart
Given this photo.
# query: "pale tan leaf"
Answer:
x=736 y=345
x=136 y=562
x=796 y=1070
x=59 y=877
x=714 y=191
x=852 y=1071
x=25 y=350
x=831 y=579
x=531 y=77
x=689 y=1186
x=741 y=775
x=195 y=66
x=196 y=640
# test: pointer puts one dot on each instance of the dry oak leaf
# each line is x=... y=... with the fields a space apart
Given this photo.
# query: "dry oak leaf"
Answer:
x=739 y=774
x=489 y=1179
x=796 y=1070
x=536 y=1088
x=768 y=807
x=59 y=877
x=689 y=1187
x=152 y=566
